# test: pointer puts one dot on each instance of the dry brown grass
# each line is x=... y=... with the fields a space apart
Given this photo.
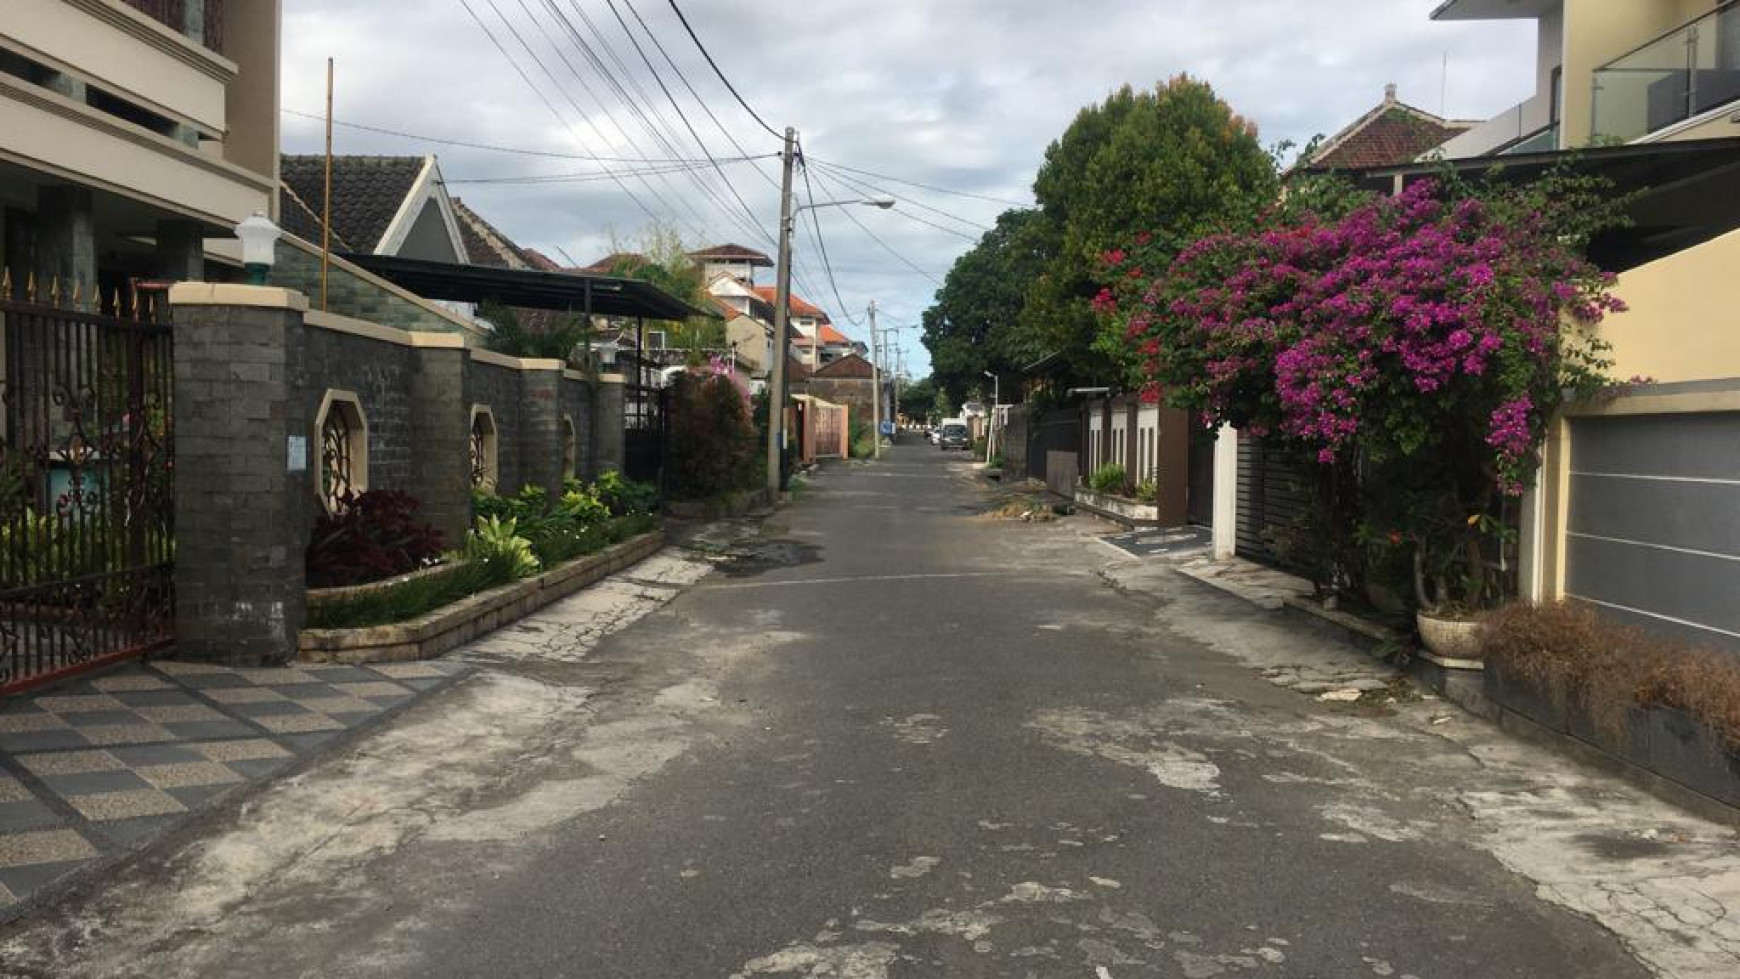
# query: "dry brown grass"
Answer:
x=1587 y=662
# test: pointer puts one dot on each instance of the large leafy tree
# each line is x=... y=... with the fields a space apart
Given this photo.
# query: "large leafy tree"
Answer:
x=663 y=260
x=973 y=327
x=1158 y=167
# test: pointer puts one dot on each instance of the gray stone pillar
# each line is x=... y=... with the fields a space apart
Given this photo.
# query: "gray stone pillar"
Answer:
x=441 y=437
x=193 y=20
x=541 y=428
x=244 y=488
x=607 y=421
x=181 y=251
x=66 y=241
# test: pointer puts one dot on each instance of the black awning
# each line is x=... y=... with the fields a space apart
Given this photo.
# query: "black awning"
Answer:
x=528 y=289
x=1686 y=192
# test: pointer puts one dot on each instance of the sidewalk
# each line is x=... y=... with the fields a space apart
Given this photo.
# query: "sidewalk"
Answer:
x=97 y=769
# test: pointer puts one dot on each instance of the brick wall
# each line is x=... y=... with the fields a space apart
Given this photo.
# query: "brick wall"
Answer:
x=250 y=380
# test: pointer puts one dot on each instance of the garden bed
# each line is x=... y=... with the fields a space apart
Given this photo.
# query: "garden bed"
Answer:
x=1659 y=706
x=458 y=623
x=1122 y=509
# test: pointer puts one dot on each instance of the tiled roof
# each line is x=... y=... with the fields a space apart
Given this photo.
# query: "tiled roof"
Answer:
x=296 y=217
x=542 y=262
x=799 y=305
x=1391 y=133
x=850 y=365
x=367 y=191
x=484 y=244
x=732 y=253
x=795 y=371
x=632 y=260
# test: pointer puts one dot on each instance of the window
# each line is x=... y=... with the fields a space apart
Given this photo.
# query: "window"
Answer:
x=341 y=433
x=484 y=472
x=570 y=447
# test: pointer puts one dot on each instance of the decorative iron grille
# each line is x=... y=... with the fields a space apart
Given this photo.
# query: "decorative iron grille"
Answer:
x=337 y=480
x=86 y=486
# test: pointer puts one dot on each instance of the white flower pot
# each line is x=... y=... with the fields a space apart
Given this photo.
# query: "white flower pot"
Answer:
x=1451 y=642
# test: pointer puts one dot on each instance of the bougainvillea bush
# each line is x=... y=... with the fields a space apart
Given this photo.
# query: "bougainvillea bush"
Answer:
x=1423 y=340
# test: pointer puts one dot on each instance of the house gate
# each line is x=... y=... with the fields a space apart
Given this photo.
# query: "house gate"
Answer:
x=830 y=431
x=86 y=489
x=1274 y=499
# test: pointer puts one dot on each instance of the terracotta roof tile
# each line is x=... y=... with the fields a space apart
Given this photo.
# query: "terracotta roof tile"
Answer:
x=1399 y=134
x=850 y=365
x=799 y=305
x=728 y=252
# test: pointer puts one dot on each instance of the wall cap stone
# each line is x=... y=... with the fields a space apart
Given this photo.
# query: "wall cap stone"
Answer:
x=387 y=334
x=612 y=379
x=515 y=363
x=232 y=294
x=573 y=375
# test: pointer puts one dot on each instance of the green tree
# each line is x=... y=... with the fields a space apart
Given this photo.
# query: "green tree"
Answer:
x=972 y=328
x=1157 y=168
x=663 y=260
x=917 y=397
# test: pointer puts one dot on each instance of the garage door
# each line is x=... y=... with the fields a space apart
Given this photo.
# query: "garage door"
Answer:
x=1654 y=528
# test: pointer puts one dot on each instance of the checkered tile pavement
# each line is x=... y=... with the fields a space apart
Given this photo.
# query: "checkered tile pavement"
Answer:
x=94 y=768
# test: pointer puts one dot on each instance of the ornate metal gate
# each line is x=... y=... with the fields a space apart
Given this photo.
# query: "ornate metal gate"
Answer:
x=86 y=492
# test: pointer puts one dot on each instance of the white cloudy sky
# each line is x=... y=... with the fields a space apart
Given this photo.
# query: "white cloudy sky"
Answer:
x=960 y=94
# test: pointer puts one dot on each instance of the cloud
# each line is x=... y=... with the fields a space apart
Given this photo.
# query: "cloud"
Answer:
x=964 y=94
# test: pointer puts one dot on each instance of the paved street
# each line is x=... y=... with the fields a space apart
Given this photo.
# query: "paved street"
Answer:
x=885 y=735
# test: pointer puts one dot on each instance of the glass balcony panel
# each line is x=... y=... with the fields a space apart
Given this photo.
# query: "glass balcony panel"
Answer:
x=1544 y=141
x=1693 y=70
x=1715 y=78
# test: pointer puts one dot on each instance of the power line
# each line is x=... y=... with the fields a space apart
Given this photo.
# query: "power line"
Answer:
x=514 y=63
x=679 y=109
x=930 y=187
x=515 y=150
x=717 y=71
x=583 y=177
x=890 y=249
x=870 y=188
x=822 y=247
x=695 y=228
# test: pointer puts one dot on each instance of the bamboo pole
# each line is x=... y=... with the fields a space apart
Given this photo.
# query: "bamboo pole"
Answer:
x=326 y=202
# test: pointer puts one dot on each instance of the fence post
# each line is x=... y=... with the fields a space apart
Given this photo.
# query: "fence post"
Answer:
x=1226 y=493
x=607 y=422
x=541 y=424
x=243 y=487
x=441 y=426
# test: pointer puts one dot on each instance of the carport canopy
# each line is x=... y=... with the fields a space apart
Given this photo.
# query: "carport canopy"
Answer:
x=577 y=292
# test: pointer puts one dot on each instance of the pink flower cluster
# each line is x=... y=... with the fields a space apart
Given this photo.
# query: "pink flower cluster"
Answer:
x=1381 y=325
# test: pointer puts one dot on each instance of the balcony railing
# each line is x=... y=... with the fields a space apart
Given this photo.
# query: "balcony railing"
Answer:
x=173 y=14
x=1684 y=74
x=1543 y=141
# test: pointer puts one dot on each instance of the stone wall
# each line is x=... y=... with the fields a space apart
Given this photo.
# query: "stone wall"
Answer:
x=253 y=369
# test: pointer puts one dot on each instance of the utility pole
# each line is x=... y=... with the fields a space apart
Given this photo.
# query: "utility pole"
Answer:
x=776 y=397
x=875 y=390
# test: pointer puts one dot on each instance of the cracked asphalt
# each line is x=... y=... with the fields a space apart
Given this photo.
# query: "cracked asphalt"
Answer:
x=882 y=735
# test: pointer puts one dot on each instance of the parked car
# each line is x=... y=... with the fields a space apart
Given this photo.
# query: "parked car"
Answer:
x=954 y=436
x=934 y=434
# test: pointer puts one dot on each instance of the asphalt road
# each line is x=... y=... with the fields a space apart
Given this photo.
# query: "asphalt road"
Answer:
x=914 y=741
x=928 y=792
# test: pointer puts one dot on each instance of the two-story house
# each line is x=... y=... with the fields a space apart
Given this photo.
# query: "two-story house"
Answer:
x=134 y=136
x=1635 y=509
x=1607 y=73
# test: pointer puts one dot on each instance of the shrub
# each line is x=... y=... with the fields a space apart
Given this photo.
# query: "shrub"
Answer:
x=497 y=541
x=860 y=443
x=1108 y=478
x=374 y=535
x=1584 y=661
x=621 y=495
x=1147 y=491
x=711 y=447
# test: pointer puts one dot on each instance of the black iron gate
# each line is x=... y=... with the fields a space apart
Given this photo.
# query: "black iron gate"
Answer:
x=86 y=493
x=643 y=432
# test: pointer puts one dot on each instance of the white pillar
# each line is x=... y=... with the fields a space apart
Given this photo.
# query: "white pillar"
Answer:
x=1226 y=492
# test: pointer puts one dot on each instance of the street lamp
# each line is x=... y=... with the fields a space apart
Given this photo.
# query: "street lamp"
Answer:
x=777 y=383
x=259 y=240
x=996 y=400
